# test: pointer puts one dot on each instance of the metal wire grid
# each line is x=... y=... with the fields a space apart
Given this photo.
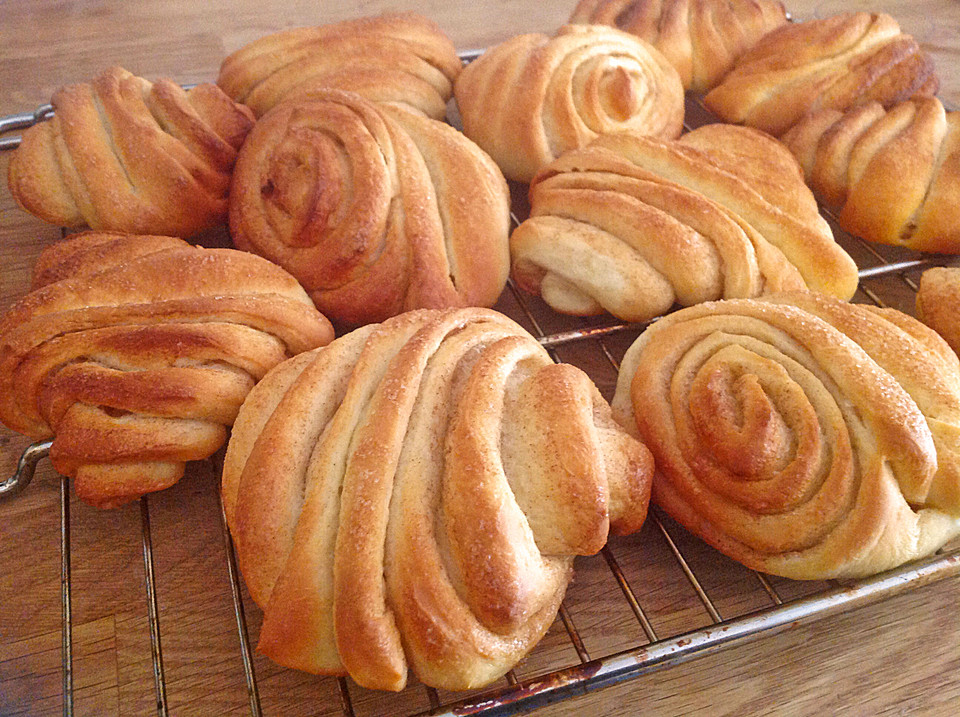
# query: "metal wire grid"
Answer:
x=591 y=672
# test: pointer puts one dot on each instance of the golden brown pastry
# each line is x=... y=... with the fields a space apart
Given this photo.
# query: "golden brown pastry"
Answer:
x=701 y=38
x=938 y=303
x=534 y=97
x=412 y=497
x=374 y=208
x=396 y=57
x=834 y=63
x=632 y=224
x=134 y=354
x=124 y=154
x=891 y=176
x=801 y=435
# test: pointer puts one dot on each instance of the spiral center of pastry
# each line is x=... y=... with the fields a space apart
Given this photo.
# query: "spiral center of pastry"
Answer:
x=618 y=91
x=303 y=185
x=736 y=418
x=751 y=432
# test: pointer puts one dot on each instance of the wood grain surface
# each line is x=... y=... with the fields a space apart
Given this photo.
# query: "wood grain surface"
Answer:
x=901 y=656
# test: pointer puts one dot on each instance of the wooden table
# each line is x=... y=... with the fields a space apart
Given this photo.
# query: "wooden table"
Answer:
x=897 y=657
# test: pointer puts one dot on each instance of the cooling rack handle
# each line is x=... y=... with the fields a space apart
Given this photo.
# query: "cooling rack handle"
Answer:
x=26 y=467
x=22 y=120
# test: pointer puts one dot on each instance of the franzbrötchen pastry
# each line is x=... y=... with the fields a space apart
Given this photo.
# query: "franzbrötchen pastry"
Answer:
x=374 y=208
x=395 y=57
x=799 y=434
x=412 y=496
x=891 y=176
x=533 y=97
x=134 y=353
x=836 y=63
x=633 y=224
x=701 y=38
x=124 y=154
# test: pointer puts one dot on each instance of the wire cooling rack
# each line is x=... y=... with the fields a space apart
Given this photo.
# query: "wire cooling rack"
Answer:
x=571 y=660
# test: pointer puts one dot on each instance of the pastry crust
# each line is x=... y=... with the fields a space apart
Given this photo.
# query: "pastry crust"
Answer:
x=533 y=97
x=134 y=353
x=413 y=495
x=395 y=57
x=938 y=303
x=632 y=225
x=835 y=63
x=801 y=435
x=892 y=176
x=375 y=209
x=124 y=154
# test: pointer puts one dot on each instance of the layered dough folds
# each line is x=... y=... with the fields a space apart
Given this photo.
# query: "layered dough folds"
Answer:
x=124 y=154
x=134 y=354
x=375 y=209
x=632 y=224
x=836 y=63
x=533 y=97
x=413 y=495
x=395 y=57
x=892 y=176
x=798 y=434
x=701 y=38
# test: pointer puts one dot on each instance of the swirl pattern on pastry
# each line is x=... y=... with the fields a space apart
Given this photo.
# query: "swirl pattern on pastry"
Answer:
x=395 y=57
x=701 y=38
x=413 y=495
x=798 y=434
x=834 y=63
x=893 y=176
x=533 y=97
x=134 y=354
x=375 y=209
x=632 y=224
x=124 y=154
